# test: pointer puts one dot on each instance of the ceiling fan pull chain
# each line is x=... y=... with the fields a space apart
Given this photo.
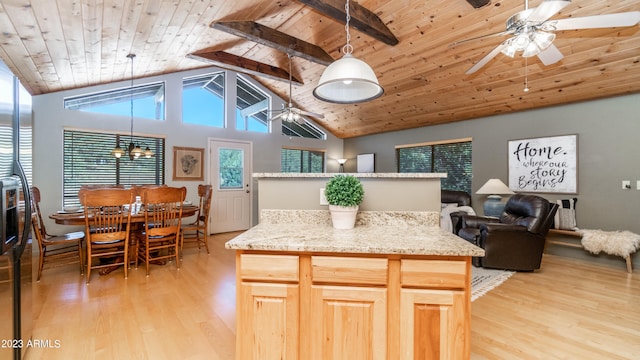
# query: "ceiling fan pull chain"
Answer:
x=526 y=76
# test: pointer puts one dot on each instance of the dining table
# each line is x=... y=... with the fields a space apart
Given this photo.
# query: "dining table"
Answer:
x=77 y=218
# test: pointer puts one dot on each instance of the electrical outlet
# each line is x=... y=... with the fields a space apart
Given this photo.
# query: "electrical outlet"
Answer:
x=323 y=198
x=626 y=184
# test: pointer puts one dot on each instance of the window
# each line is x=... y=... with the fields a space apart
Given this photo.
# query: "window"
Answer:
x=203 y=100
x=452 y=157
x=302 y=128
x=148 y=102
x=252 y=107
x=231 y=168
x=87 y=161
x=302 y=161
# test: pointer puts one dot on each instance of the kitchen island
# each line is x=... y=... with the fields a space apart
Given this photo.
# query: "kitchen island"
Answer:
x=394 y=287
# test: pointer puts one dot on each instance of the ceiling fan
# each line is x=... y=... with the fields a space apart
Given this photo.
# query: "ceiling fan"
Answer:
x=289 y=112
x=532 y=31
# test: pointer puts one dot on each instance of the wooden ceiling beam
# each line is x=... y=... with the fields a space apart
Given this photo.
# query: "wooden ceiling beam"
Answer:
x=362 y=18
x=267 y=36
x=244 y=65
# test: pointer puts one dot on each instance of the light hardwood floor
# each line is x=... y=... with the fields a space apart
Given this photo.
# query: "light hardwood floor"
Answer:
x=570 y=309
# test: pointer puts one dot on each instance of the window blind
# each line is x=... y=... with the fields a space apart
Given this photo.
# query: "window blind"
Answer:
x=87 y=160
x=451 y=158
x=302 y=161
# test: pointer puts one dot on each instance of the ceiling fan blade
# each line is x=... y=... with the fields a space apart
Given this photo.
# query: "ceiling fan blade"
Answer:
x=501 y=33
x=592 y=22
x=312 y=114
x=546 y=10
x=487 y=58
x=550 y=55
x=273 y=118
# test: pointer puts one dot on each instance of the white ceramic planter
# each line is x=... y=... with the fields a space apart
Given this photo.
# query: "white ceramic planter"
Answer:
x=343 y=217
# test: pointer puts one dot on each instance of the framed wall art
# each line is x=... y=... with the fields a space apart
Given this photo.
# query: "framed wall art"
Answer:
x=366 y=163
x=545 y=165
x=188 y=163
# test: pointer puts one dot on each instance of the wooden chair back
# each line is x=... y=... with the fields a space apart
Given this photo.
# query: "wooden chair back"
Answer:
x=198 y=230
x=35 y=199
x=107 y=214
x=162 y=207
x=107 y=221
x=163 y=210
x=204 y=193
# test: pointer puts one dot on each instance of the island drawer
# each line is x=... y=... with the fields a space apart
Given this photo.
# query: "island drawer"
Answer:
x=349 y=270
x=269 y=267
x=433 y=273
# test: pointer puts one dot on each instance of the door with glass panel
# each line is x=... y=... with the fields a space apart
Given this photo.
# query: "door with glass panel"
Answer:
x=231 y=179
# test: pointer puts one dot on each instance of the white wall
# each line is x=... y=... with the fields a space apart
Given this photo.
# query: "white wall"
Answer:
x=50 y=119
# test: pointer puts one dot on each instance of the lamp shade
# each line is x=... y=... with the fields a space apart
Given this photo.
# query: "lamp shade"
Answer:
x=494 y=187
x=348 y=81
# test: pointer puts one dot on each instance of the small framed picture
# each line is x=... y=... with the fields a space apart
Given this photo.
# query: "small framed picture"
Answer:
x=188 y=163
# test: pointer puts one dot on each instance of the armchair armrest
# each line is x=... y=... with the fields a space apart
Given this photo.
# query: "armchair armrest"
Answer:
x=474 y=221
x=500 y=227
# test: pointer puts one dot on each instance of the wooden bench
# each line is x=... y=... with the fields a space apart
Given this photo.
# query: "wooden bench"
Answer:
x=572 y=244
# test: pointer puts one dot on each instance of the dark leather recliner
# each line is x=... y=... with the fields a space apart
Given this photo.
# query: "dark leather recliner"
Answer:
x=462 y=198
x=516 y=240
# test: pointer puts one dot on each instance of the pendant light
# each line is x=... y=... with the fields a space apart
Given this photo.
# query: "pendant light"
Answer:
x=133 y=150
x=348 y=80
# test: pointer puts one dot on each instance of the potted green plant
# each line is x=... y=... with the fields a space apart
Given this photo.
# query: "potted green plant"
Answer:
x=344 y=194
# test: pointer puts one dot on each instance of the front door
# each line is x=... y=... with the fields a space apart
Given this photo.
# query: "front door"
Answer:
x=230 y=178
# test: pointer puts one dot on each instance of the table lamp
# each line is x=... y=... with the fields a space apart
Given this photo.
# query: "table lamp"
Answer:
x=493 y=206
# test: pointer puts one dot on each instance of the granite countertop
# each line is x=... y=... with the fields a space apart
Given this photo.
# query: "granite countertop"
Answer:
x=358 y=175
x=399 y=233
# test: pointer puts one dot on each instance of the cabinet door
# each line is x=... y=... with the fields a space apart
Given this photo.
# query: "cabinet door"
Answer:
x=267 y=325
x=432 y=324
x=347 y=323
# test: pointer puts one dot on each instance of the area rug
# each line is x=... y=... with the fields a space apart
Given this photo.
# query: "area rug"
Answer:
x=484 y=280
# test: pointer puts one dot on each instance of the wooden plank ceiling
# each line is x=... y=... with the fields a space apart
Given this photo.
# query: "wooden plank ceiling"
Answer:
x=66 y=44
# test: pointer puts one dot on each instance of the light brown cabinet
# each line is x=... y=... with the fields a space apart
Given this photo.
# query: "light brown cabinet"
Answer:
x=321 y=306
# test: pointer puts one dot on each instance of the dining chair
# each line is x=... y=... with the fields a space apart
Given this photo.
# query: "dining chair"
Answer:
x=59 y=250
x=198 y=230
x=107 y=223
x=162 y=215
x=35 y=198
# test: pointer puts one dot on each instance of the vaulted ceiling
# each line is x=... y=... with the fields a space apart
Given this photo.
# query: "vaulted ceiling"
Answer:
x=65 y=44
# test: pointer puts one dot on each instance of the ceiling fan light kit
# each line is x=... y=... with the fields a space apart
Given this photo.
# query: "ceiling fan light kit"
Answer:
x=532 y=31
x=348 y=80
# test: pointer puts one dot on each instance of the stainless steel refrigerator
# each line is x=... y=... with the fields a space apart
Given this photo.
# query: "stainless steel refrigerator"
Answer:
x=16 y=256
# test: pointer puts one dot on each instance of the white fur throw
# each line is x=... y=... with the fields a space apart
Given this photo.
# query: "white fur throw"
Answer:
x=620 y=243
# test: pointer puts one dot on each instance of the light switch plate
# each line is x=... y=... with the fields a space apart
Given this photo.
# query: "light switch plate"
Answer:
x=323 y=198
x=638 y=184
x=626 y=184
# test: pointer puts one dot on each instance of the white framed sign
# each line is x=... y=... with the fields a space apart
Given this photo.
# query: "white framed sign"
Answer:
x=546 y=165
x=366 y=163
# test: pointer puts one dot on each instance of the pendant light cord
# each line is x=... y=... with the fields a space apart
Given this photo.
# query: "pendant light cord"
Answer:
x=347 y=48
x=131 y=56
